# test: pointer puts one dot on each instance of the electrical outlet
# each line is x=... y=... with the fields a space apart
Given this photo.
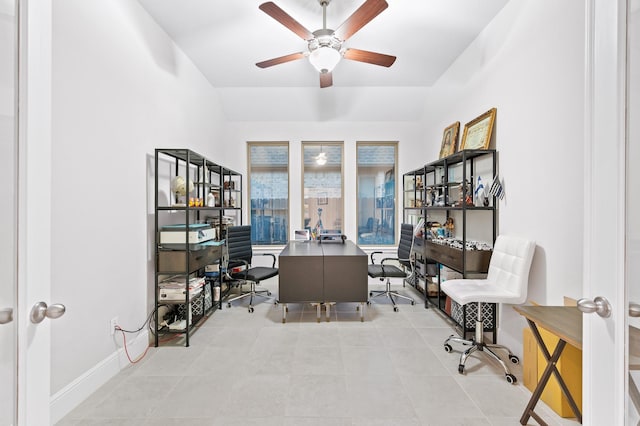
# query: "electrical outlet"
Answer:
x=112 y=325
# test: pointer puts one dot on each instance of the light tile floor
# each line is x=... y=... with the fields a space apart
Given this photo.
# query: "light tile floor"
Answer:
x=250 y=369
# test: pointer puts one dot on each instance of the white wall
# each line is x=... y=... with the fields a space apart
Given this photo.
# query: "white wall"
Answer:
x=120 y=89
x=529 y=64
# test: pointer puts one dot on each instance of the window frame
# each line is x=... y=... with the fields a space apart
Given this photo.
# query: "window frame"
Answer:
x=286 y=144
x=395 y=145
x=339 y=144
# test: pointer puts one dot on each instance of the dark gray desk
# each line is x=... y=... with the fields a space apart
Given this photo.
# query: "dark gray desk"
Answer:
x=322 y=274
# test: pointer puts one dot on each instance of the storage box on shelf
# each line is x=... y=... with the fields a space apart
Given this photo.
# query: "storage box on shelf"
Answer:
x=195 y=199
x=456 y=215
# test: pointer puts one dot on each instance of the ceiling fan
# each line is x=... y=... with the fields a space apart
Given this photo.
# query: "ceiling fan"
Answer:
x=325 y=45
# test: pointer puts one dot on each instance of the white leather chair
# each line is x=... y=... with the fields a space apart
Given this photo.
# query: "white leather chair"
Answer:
x=506 y=282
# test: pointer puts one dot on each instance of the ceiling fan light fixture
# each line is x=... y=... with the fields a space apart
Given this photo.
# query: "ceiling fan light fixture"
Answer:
x=324 y=59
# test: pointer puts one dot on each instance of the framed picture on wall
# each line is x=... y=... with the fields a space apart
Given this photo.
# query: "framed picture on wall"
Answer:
x=450 y=140
x=477 y=132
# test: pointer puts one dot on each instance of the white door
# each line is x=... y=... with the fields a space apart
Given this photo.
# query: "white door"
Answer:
x=607 y=185
x=34 y=210
x=8 y=191
x=633 y=210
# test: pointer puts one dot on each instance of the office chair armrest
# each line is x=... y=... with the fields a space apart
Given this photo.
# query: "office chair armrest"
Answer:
x=397 y=259
x=244 y=262
x=273 y=265
x=372 y=253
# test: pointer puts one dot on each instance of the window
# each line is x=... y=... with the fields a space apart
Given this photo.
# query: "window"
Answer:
x=322 y=200
x=376 y=177
x=269 y=192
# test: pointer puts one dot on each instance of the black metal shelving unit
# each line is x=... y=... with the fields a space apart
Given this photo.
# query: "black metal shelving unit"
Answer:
x=446 y=189
x=215 y=198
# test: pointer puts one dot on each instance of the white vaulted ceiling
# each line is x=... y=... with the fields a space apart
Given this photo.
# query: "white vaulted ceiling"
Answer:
x=225 y=38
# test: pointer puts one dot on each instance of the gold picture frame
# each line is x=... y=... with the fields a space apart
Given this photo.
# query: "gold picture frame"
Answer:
x=450 y=140
x=477 y=132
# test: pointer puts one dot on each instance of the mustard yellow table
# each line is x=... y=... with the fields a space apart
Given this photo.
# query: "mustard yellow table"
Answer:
x=565 y=322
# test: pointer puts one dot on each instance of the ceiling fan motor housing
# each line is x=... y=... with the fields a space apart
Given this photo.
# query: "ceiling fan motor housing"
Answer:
x=324 y=38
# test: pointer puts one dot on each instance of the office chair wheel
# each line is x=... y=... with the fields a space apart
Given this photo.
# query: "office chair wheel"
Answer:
x=250 y=309
x=447 y=348
x=511 y=379
x=268 y=293
x=514 y=359
x=395 y=309
x=368 y=302
x=370 y=293
x=229 y=305
x=413 y=303
x=461 y=370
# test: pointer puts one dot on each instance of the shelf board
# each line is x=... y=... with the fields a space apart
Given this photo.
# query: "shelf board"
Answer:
x=456 y=208
x=183 y=208
x=209 y=184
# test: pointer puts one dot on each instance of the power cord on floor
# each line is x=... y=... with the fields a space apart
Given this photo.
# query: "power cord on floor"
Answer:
x=147 y=322
x=126 y=351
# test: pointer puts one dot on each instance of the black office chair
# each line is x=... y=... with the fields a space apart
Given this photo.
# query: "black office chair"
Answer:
x=384 y=270
x=240 y=253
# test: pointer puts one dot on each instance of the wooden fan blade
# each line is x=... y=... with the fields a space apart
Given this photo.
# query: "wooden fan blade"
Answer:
x=365 y=13
x=281 y=16
x=280 y=60
x=369 y=57
x=326 y=80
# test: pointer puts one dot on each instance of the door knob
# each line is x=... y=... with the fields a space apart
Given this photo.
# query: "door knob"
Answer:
x=40 y=311
x=6 y=315
x=599 y=305
x=634 y=309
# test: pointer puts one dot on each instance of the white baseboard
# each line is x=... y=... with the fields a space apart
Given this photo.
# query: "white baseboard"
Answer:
x=69 y=397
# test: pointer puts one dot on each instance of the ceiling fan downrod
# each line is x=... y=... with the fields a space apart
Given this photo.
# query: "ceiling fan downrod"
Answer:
x=324 y=4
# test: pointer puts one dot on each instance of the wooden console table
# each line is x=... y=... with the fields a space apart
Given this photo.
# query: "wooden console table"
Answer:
x=565 y=322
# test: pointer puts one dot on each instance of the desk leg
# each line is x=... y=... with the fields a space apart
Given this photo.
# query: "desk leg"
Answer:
x=546 y=375
x=284 y=313
x=327 y=306
x=361 y=311
x=634 y=394
x=318 y=307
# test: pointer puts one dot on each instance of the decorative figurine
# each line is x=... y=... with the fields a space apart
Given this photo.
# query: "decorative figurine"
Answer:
x=448 y=225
